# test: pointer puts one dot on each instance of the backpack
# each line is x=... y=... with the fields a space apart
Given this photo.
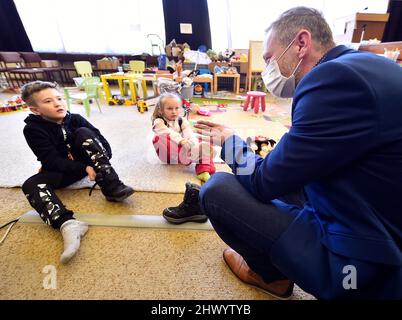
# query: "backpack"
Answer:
x=180 y=123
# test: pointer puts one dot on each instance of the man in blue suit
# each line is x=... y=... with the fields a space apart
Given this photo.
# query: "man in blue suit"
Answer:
x=341 y=237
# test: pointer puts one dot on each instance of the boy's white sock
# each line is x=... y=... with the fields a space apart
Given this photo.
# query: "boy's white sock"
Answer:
x=72 y=231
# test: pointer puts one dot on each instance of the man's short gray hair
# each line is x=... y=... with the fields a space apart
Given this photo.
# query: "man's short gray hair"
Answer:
x=291 y=21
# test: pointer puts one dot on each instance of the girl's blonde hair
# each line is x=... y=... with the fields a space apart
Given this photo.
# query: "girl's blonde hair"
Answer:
x=158 y=112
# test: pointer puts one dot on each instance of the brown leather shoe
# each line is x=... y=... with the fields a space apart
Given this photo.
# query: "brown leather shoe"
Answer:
x=281 y=289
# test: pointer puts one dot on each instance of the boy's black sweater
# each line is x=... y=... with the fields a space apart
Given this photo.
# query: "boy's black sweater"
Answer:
x=46 y=140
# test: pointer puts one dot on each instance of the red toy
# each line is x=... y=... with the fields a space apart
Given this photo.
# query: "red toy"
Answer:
x=204 y=112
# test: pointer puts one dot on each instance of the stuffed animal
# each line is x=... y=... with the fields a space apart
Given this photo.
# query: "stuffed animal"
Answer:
x=261 y=145
x=212 y=55
x=228 y=54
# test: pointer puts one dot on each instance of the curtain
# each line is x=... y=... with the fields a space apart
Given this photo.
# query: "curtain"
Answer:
x=188 y=12
x=12 y=33
x=235 y=22
x=92 y=26
x=393 y=29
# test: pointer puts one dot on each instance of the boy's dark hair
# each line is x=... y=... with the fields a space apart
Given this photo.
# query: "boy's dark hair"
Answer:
x=30 y=88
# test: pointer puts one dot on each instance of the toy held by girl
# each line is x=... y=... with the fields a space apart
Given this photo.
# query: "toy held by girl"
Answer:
x=175 y=141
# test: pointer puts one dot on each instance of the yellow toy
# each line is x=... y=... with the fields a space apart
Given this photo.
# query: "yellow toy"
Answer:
x=116 y=100
x=261 y=145
x=142 y=106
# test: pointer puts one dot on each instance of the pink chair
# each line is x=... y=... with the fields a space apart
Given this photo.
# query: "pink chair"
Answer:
x=256 y=97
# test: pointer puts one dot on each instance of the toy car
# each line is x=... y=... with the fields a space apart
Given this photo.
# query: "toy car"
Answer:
x=116 y=100
x=142 y=106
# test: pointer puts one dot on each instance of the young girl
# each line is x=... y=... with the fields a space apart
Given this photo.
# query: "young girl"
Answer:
x=175 y=141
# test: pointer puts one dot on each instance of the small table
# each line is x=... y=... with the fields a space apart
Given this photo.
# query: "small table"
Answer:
x=131 y=77
x=235 y=77
x=204 y=79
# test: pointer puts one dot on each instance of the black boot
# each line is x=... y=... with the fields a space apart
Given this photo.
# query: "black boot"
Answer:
x=108 y=180
x=189 y=209
x=111 y=186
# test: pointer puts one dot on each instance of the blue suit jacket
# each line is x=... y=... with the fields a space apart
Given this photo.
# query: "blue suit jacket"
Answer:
x=345 y=149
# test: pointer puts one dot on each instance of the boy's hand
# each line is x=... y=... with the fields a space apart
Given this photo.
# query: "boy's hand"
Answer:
x=91 y=173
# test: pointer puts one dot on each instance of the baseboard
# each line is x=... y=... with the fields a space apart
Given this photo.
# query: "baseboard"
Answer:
x=131 y=221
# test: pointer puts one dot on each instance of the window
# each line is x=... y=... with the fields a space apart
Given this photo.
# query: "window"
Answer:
x=235 y=22
x=92 y=26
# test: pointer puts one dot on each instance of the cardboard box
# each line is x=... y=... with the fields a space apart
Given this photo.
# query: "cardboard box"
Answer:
x=108 y=64
x=49 y=64
x=360 y=26
x=243 y=67
x=168 y=50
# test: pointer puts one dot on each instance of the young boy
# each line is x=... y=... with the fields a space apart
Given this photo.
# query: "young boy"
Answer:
x=69 y=148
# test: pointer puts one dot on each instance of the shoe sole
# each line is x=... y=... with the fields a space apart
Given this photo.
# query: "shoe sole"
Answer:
x=196 y=218
x=119 y=199
x=258 y=288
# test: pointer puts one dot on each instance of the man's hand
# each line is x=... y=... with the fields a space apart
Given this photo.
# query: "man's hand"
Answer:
x=218 y=133
x=91 y=173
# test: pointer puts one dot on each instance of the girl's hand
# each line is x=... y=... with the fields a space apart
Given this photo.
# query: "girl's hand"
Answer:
x=91 y=173
x=185 y=143
x=218 y=133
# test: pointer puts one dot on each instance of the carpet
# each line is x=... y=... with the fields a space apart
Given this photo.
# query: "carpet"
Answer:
x=129 y=134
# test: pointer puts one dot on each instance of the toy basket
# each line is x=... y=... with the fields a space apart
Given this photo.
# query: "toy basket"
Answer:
x=187 y=92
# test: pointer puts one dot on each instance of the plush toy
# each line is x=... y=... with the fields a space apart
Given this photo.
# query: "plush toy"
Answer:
x=261 y=145
x=228 y=54
x=243 y=58
x=212 y=55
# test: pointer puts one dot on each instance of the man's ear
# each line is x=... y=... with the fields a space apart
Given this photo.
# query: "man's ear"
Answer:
x=34 y=110
x=303 y=42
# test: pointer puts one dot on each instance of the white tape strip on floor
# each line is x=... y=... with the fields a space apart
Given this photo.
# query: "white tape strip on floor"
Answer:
x=114 y=220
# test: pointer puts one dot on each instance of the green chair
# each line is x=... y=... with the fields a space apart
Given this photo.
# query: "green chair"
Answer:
x=83 y=68
x=137 y=67
x=91 y=86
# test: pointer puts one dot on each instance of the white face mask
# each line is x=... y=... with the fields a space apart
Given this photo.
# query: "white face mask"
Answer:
x=275 y=82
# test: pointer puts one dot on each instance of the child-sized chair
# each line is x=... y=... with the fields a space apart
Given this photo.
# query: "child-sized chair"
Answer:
x=90 y=86
x=137 y=67
x=256 y=97
x=83 y=68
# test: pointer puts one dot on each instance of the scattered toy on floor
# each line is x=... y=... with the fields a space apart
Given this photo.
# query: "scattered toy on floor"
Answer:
x=261 y=145
x=117 y=100
x=13 y=104
x=142 y=106
x=203 y=111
